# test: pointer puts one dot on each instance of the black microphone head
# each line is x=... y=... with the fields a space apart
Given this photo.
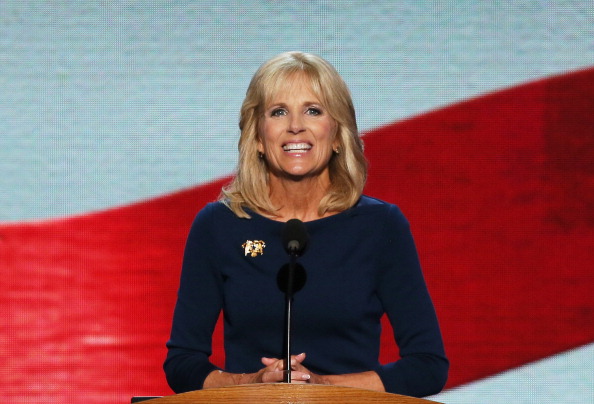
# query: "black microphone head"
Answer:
x=294 y=236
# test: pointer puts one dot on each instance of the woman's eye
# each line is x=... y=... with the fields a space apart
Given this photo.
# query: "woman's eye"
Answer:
x=278 y=112
x=314 y=111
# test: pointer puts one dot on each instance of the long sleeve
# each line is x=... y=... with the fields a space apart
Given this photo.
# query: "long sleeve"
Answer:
x=196 y=311
x=423 y=367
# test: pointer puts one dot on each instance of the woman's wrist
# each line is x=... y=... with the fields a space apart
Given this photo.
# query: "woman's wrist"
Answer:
x=320 y=379
x=219 y=378
x=367 y=380
x=241 y=378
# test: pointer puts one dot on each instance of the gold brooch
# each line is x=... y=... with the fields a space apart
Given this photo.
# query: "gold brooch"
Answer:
x=253 y=247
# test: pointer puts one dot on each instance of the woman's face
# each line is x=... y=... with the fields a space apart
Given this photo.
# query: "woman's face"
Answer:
x=296 y=133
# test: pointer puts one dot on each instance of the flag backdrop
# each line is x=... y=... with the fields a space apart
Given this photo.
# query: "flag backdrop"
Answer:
x=118 y=122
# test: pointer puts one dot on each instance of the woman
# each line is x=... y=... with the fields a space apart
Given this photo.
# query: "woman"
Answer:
x=301 y=157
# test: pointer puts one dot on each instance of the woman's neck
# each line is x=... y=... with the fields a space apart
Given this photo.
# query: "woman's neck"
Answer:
x=298 y=199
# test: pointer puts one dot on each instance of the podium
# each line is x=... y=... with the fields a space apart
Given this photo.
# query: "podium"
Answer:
x=284 y=393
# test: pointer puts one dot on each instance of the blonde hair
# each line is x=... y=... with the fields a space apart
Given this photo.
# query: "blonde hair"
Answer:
x=348 y=168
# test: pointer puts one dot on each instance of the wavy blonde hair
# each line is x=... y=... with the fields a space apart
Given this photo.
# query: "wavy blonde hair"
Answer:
x=348 y=169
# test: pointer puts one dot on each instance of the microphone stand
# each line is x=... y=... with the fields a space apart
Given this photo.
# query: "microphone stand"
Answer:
x=294 y=237
x=288 y=301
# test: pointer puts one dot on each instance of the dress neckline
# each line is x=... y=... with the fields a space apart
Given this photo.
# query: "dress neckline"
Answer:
x=309 y=223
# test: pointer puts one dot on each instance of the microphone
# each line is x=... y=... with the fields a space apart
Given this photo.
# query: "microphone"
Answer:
x=295 y=237
x=291 y=278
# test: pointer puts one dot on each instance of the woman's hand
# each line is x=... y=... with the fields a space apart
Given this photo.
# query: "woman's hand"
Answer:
x=366 y=380
x=300 y=374
x=274 y=370
x=272 y=373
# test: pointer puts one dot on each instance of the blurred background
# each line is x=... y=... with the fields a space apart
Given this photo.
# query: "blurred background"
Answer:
x=118 y=122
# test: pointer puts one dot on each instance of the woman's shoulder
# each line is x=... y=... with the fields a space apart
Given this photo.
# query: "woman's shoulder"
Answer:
x=367 y=200
x=374 y=206
x=371 y=203
x=216 y=207
x=214 y=211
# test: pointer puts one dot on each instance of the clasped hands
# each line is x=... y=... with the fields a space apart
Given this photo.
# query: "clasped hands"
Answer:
x=273 y=372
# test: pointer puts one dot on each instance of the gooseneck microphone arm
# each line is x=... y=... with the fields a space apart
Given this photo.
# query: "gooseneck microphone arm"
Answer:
x=291 y=279
x=288 y=300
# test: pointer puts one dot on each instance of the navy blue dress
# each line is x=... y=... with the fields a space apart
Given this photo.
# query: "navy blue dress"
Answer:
x=360 y=264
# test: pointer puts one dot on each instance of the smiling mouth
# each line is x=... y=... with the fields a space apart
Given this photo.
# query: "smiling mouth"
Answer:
x=297 y=147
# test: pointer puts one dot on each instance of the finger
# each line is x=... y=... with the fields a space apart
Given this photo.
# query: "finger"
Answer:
x=297 y=359
x=300 y=377
x=269 y=361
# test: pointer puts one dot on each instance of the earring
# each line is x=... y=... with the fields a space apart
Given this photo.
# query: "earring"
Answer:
x=337 y=150
x=261 y=155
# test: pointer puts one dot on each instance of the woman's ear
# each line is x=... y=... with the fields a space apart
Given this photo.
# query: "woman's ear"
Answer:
x=336 y=143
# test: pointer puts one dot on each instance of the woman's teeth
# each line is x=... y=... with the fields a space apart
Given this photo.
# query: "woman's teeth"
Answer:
x=297 y=147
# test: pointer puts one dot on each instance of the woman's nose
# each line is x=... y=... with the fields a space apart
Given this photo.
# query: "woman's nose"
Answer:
x=296 y=124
